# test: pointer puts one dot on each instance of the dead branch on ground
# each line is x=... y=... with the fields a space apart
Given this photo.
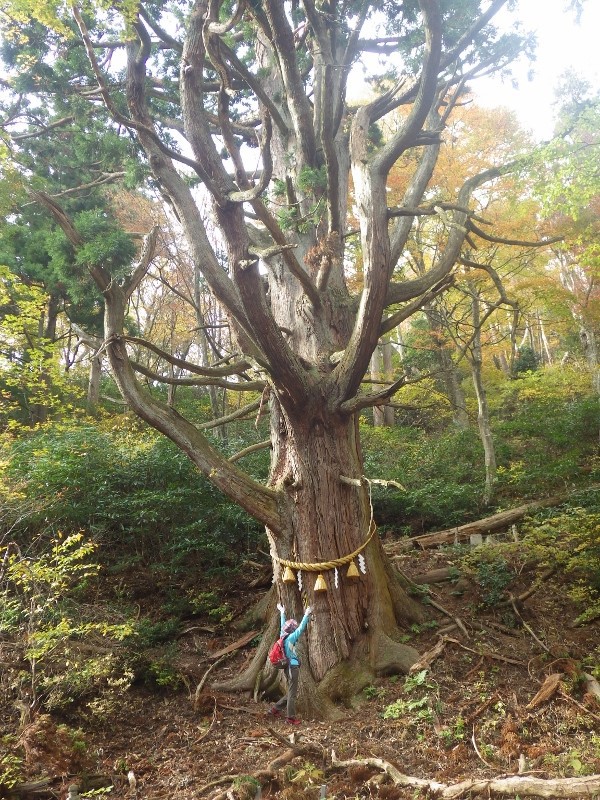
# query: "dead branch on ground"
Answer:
x=538 y=787
x=200 y=686
x=429 y=657
x=457 y=621
x=548 y=688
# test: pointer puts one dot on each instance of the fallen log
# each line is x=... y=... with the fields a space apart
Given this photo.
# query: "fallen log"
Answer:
x=48 y=788
x=513 y=785
x=497 y=522
x=436 y=576
x=41 y=787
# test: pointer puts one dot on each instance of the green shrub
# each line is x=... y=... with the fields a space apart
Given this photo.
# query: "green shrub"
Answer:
x=129 y=487
x=417 y=706
x=11 y=766
x=546 y=430
x=442 y=475
x=51 y=627
x=570 y=542
x=490 y=568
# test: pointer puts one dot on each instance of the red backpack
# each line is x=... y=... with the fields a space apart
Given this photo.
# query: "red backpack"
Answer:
x=277 y=655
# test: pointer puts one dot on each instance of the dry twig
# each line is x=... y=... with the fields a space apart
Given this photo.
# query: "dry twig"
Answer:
x=568 y=697
x=481 y=758
x=457 y=620
x=202 y=683
x=495 y=656
x=528 y=627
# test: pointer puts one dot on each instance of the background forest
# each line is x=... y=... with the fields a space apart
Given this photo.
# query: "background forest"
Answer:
x=116 y=552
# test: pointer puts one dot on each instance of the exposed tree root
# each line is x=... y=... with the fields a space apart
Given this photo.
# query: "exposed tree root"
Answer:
x=345 y=681
x=393 y=657
x=538 y=787
x=200 y=686
x=256 y=615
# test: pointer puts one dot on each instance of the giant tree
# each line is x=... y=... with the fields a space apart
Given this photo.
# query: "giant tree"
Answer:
x=249 y=104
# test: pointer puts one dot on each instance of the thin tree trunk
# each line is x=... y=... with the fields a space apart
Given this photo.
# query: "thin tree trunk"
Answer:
x=217 y=408
x=483 y=416
x=450 y=376
x=589 y=344
x=388 y=371
x=544 y=346
x=171 y=388
x=38 y=412
x=376 y=372
x=93 y=393
x=381 y=369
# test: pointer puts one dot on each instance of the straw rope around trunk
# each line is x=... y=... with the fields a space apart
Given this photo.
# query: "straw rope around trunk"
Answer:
x=323 y=566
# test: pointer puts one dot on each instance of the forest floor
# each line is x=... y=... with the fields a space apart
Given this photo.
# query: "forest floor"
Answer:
x=506 y=696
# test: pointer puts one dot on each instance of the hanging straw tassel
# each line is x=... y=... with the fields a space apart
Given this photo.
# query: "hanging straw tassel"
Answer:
x=288 y=576
x=352 y=571
x=320 y=585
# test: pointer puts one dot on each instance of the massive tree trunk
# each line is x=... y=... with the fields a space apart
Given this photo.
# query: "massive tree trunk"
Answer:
x=358 y=621
x=329 y=519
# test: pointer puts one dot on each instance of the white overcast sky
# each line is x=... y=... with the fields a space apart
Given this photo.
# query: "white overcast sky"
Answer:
x=562 y=44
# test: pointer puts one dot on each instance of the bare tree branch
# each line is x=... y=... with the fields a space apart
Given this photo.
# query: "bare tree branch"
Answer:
x=253 y=448
x=515 y=242
x=234 y=386
x=237 y=368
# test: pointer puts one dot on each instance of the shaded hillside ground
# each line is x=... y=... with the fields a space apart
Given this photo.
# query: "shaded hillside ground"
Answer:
x=472 y=713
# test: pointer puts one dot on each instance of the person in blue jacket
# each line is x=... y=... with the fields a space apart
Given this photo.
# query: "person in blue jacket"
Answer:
x=290 y=632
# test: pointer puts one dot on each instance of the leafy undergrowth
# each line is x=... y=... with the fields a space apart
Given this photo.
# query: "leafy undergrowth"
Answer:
x=475 y=711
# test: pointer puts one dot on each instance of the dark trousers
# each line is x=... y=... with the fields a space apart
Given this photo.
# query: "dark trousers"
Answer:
x=288 y=701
